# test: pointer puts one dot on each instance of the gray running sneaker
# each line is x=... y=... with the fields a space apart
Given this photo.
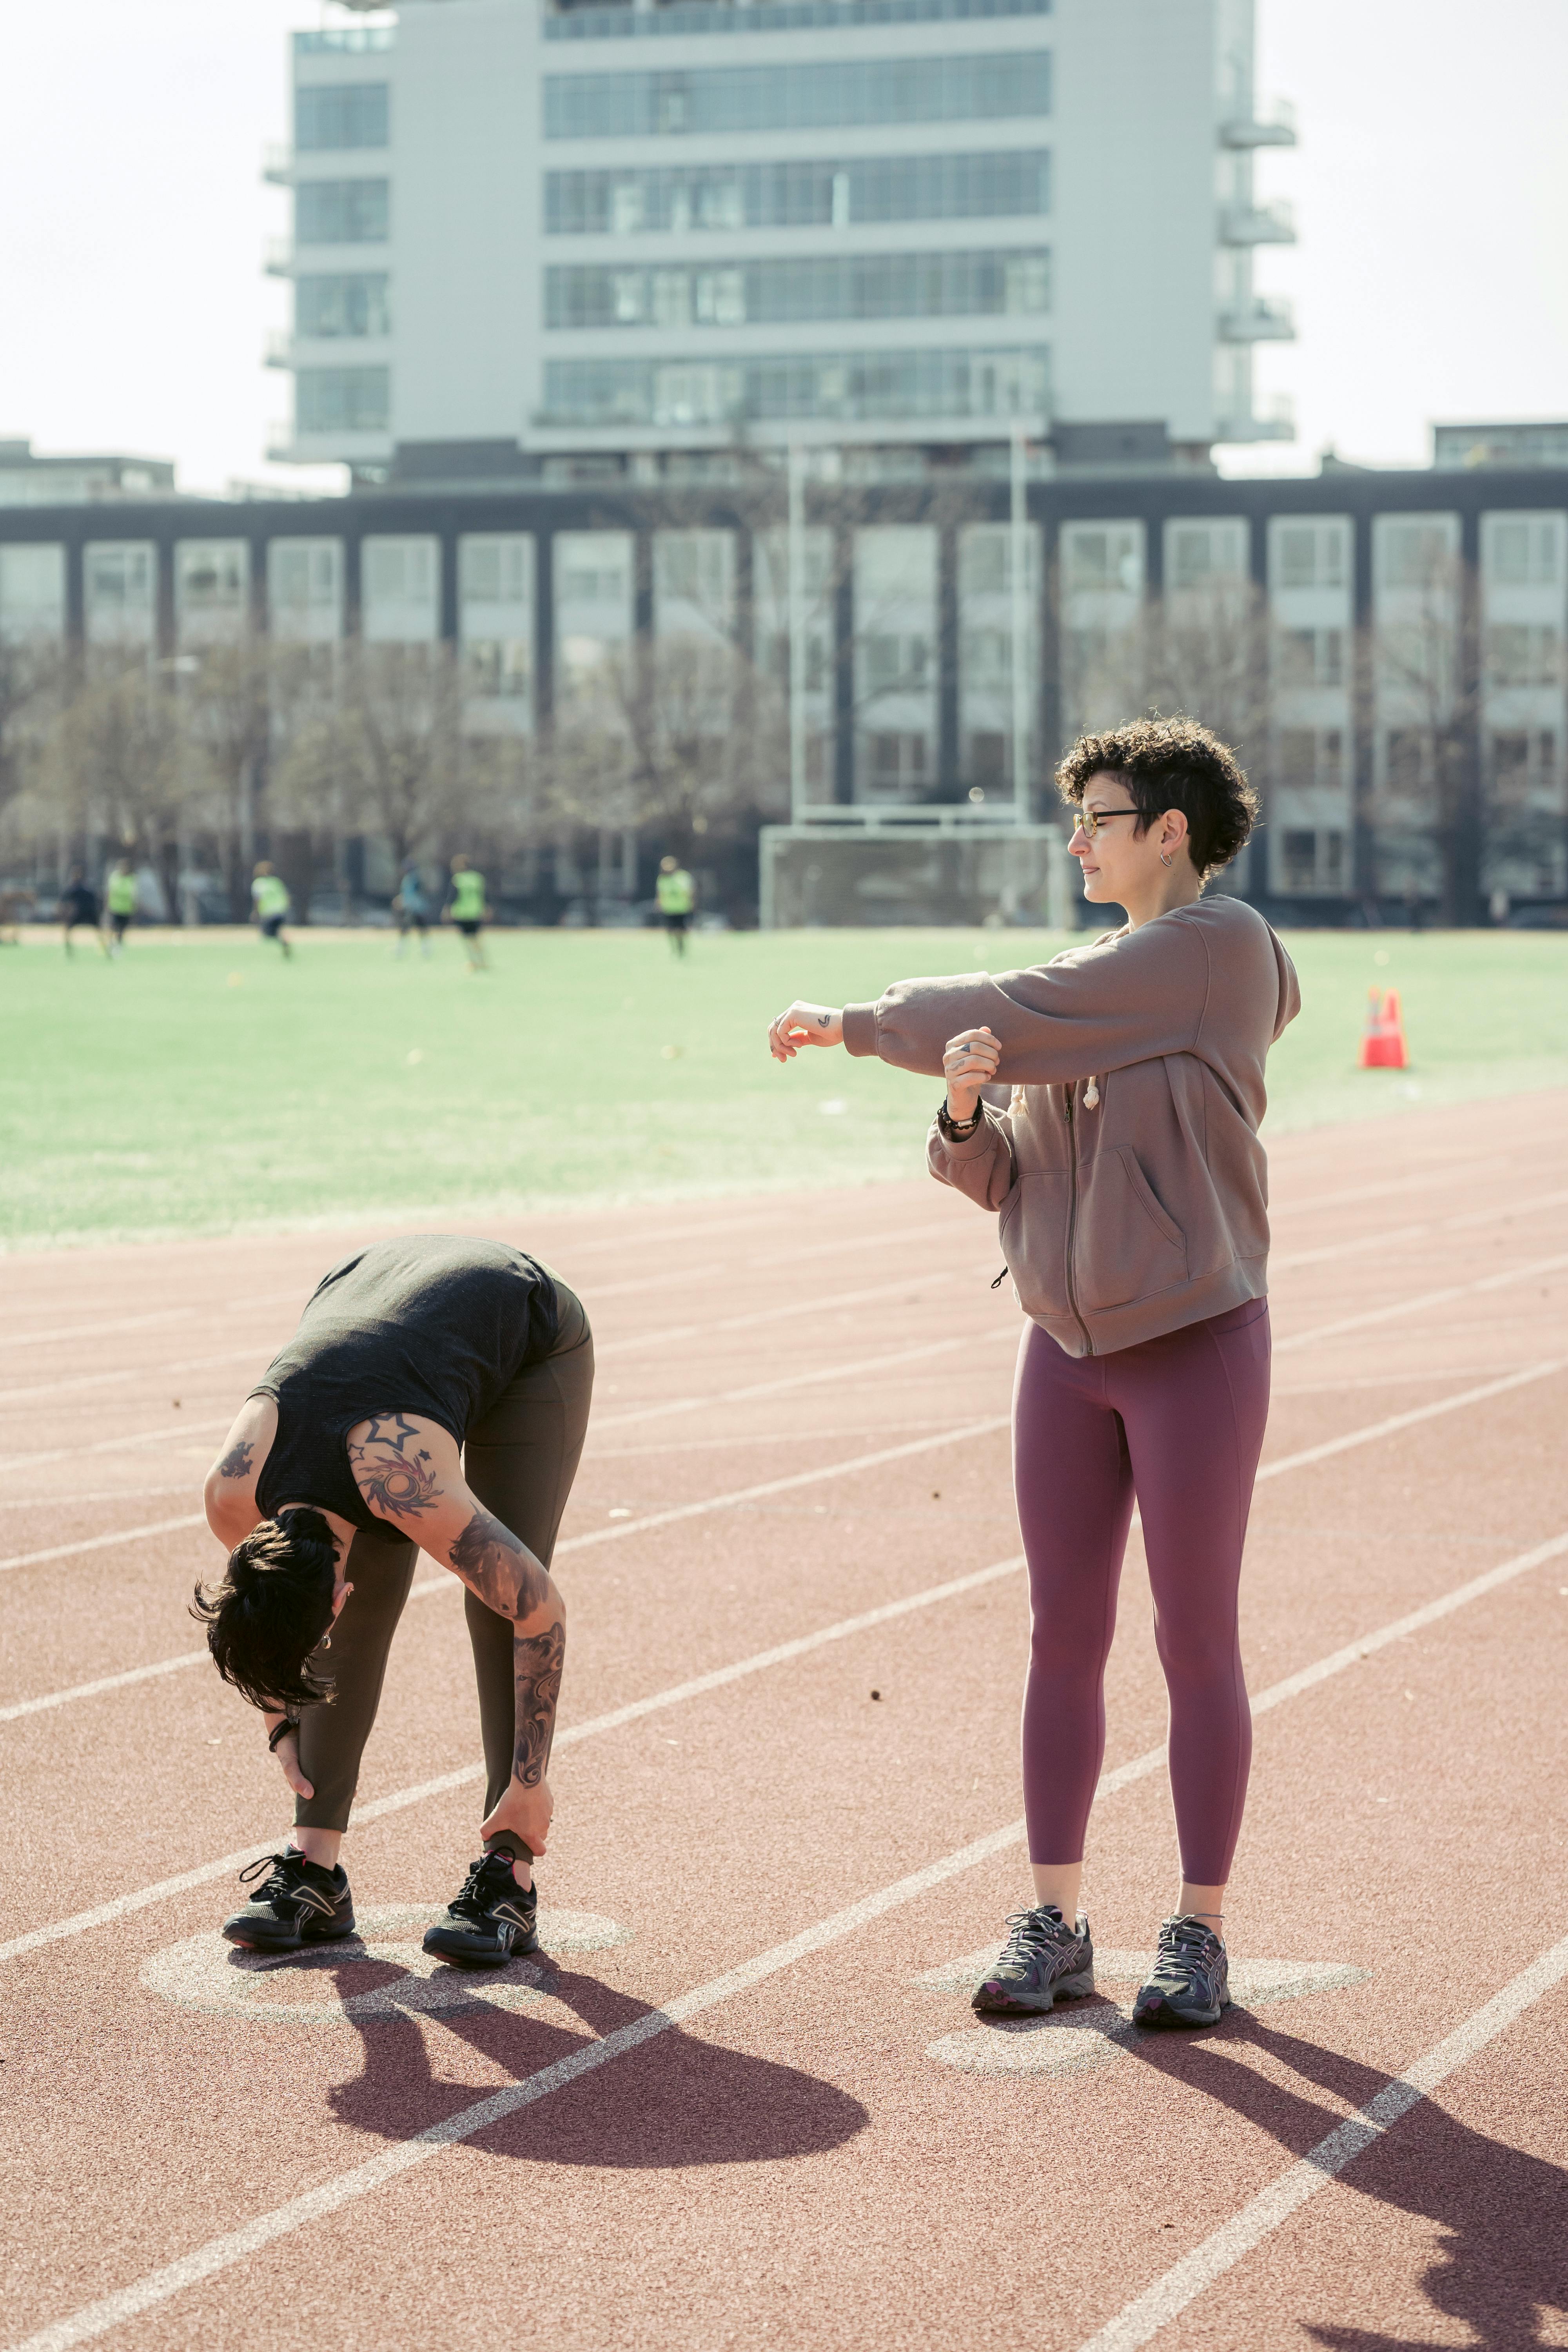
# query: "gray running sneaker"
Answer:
x=1043 y=1960
x=1189 y=1983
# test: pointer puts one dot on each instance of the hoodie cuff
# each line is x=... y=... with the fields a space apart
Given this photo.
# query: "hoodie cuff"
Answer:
x=860 y=1030
x=978 y=1146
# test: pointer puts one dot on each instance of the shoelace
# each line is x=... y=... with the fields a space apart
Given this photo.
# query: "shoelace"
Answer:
x=492 y=1874
x=1183 y=1946
x=283 y=1881
x=1030 y=1934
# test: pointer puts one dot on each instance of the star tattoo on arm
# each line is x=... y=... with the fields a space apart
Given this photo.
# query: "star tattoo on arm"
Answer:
x=536 y=1666
x=502 y=1571
x=394 y=1482
x=236 y=1463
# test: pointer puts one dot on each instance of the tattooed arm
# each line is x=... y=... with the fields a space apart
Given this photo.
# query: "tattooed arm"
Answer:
x=410 y=1473
x=230 y=1491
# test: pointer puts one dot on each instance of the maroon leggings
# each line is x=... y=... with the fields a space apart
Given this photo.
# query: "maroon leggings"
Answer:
x=1177 y=1422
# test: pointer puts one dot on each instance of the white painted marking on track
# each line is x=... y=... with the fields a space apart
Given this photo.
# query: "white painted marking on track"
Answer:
x=1249 y=1979
x=104 y=1543
x=206 y=1974
x=11 y=1398
x=1444 y=1297
x=114 y=1444
x=52 y=1699
x=1137 y=1768
x=1142 y=2319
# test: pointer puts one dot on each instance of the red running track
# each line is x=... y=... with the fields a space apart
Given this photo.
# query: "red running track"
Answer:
x=747 y=2103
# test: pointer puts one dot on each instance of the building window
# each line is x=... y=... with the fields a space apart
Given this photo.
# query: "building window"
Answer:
x=345 y=305
x=1108 y=558
x=341 y=114
x=342 y=400
x=889 y=383
x=797 y=195
x=342 y=212
x=1310 y=555
x=211 y=575
x=1519 y=653
x=119 y=579
x=801 y=289
x=806 y=97
x=1416 y=554
x=604 y=21
x=1205 y=554
x=497 y=668
x=1524 y=550
x=304 y=576
x=1310 y=657
x=32 y=592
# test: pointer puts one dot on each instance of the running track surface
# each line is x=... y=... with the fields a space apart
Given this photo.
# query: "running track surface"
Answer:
x=730 y=2113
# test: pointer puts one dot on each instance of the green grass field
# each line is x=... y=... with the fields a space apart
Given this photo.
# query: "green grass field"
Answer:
x=200 y=1085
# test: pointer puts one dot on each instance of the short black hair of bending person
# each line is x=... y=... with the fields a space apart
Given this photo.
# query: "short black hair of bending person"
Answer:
x=1171 y=763
x=270 y=1610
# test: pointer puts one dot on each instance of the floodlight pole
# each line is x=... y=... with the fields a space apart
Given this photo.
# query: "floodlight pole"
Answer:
x=796 y=560
x=1017 y=549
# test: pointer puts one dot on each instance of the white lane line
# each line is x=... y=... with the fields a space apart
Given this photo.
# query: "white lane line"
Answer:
x=222 y=2253
x=1169 y=2296
x=11 y=1398
x=623 y=1528
x=46 y=1336
x=1418 y=1181
x=1393 y=1235
x=1418 y=1414
x=104 y=1543
x=105 y=1682
x=833 y=1303
x=798 y=1381
x=1137 y=1768
x=1425 y=1298
x=113 y=1445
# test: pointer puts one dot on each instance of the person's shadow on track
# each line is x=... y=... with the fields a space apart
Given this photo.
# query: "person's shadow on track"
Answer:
x=675 y=2100
x=1503 y=2259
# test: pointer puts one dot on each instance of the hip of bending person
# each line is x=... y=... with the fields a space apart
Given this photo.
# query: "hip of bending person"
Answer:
x=1131 y=1190
x=435 y=1398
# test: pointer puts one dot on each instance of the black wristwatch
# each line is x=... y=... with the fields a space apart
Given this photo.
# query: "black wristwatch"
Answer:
x=958 y=1130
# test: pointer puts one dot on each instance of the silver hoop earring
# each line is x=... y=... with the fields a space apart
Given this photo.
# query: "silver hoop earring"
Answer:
x=1164 y=860
x=325 y=1643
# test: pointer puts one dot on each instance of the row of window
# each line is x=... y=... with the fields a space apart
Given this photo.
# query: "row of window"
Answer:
x=343 y=212
x=823 y=193
x=814 y=97
x=894 y=385
x=620 y=24
x=341 y=114
x=1411 y=553
x=342 y=400
x=347 y=305
x=801 y=288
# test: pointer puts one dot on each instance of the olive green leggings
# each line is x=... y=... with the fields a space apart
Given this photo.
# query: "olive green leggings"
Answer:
x=520 y=1462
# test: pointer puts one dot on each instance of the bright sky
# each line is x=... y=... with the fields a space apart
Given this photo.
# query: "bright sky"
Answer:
x=1431 y=186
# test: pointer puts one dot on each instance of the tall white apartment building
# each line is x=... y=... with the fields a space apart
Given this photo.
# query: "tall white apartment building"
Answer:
x=525 y=229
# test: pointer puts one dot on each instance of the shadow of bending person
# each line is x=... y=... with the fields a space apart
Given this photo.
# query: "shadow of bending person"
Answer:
x=673 y=2099
x=1501 y=2267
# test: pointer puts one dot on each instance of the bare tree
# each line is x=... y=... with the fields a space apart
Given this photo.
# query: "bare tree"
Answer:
x=119 y=763
x=226 y=704
x=1423 y=806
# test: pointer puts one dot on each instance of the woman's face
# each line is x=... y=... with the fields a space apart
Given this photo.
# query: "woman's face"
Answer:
x=1121 y=866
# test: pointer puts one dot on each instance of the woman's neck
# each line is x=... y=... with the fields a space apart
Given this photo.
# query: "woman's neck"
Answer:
x=1181 y=887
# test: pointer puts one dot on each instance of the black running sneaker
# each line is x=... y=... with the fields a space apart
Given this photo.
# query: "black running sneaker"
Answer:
x=1043 y=1960
x=1189 y=1983
x=491 y=1922
x=299 y=1904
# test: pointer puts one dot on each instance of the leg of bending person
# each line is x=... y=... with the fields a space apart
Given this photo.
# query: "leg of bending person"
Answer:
x=520 y=1462
x=333 y=1736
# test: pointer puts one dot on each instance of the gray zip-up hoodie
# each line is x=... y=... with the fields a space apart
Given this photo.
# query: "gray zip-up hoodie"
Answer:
x=1133 y=1188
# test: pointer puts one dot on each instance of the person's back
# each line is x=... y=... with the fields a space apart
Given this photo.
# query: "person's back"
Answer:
x=269 y=896
x=467 y=897
x=121 y=892
x=677 y=892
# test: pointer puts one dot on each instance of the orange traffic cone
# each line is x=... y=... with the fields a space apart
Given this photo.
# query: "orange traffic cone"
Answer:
x=1382 y=1045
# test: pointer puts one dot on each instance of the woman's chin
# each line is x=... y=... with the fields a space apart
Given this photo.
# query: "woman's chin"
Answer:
x=1094 y=886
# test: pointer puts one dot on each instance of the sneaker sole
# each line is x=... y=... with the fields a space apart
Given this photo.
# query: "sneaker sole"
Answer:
x=254 y=1942
x=467 y=1956
x=1160 y=2015
x=1078 y=1987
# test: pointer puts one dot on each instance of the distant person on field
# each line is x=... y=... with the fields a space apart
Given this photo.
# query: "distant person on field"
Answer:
x=465 y=908
x=120 y=896
x=411 y=908
x=676 y=899
x=269 y=898
x=79 y=903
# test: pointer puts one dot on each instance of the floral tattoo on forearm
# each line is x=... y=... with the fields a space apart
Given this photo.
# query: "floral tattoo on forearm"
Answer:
x=392 y=1473
x=494 y=1564
x=236 y=1463
x=537 y=1665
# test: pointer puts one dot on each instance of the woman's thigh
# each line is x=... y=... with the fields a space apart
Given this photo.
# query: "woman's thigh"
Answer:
x=1074 y=1489
x=520 y=1460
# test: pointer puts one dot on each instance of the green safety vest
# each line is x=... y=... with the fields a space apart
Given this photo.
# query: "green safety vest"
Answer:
x=677 y=893
x=269 y=896
x=122 y=894
x=468 y=898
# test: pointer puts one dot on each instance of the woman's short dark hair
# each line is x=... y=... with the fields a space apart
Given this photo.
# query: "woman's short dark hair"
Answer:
x=271 y=1610
x=1165 y=764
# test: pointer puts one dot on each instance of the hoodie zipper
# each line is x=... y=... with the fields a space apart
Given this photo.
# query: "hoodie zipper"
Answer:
x=1072 y=1217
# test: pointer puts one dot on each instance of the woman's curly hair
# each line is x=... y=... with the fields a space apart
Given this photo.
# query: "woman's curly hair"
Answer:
x=270 y=1610
x=1171 y=763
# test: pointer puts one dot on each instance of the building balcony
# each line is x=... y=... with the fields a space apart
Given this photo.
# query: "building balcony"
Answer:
x=278 y=256
x=1272 y=224
x=278 y=351
x=1272 y=420
x=1275 y=129
x=277 y=164
x=1260 y=318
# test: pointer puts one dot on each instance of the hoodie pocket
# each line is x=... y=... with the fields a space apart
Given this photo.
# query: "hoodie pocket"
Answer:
x=1032 y=1233
x=1127 y=1247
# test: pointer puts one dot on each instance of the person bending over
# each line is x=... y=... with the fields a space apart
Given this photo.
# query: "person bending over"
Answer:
x=1131 y=1188
x=434 y=1398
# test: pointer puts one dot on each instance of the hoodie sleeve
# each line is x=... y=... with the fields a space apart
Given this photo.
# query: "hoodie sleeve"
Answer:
x=1125 y=999
x=979 y=1166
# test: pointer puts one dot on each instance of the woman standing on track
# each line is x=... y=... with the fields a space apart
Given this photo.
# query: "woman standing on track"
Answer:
x=434 y=1398
x=1132 y=1191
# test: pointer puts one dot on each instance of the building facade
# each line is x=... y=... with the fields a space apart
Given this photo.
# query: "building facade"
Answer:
x=529 y=238
x=1389 y=650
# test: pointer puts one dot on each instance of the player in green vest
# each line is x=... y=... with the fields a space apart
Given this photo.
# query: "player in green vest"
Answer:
x=676 y=893
x=465 y=908
x=120 y=898
x=270 y=899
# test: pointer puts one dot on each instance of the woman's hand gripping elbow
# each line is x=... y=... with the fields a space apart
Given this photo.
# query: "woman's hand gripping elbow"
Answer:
x=969 y=1062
